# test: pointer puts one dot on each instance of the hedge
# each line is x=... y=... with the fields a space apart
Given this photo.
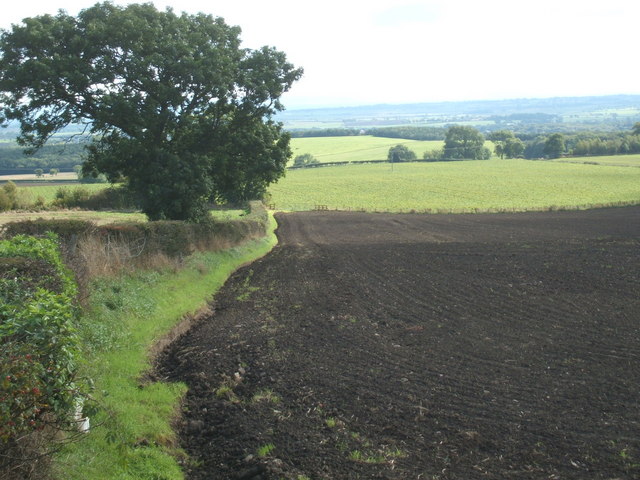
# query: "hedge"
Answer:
x=39 y=345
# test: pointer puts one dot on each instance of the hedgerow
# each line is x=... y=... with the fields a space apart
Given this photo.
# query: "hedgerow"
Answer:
x=39 y=347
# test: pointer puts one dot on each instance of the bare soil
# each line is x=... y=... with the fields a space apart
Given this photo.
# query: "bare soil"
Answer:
x=376 y=346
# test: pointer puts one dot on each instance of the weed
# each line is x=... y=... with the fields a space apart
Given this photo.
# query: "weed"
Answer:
x=356 y=455
x=247 y=289
x=331 y=422
x=266 y=395
x=265 y=450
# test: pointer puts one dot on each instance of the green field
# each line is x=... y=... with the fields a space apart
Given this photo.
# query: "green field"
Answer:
x=616 y=160
x=357 y=148
x=451 y=187
x=48 y=192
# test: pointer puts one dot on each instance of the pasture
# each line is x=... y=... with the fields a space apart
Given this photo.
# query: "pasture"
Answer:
x=456 y=187
x=614 y=160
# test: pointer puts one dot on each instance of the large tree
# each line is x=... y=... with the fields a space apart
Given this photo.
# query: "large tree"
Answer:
x=463 y=142
x=554 y=146
x=174 y=105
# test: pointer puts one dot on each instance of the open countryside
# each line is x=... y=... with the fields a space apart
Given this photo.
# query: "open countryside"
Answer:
x=199 y=284
x=422 y=346
x=455 y=187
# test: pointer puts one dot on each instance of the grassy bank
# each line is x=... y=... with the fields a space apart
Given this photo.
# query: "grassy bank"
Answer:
x=131 y=437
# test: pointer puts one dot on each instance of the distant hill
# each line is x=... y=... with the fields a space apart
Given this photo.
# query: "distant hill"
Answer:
x=607 y=113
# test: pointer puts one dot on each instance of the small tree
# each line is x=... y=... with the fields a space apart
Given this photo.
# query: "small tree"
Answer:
x=53 y=171
x=507 y=144
x=305 y=160
x=400 y=153
x=39 y=172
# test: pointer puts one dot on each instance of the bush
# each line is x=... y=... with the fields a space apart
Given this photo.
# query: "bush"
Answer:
x=8 y=196
x=71 y=198
x=435 y=155
x=39 y=227
x=5 y=201
x=115 y=198
x=39 y=344
x=400 y=153
x=305 y=160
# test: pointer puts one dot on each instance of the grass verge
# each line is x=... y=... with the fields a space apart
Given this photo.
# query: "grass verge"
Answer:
x=131 y=437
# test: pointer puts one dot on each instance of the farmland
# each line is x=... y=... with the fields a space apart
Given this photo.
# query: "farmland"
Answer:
x=469 y=186
x=422 y=346
x=356 y=148
x=615 y=160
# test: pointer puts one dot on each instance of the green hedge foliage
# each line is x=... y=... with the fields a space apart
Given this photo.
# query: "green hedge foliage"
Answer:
x=172 y=238
x=37 y=334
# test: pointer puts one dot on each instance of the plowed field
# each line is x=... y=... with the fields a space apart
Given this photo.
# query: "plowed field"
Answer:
x=374 y=346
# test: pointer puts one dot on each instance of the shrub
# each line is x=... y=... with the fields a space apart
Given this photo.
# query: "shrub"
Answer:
x=70 y=198
x=400 y=153
x=39 y=344
x=5 y=201
x=40 y=227
x=305 y=160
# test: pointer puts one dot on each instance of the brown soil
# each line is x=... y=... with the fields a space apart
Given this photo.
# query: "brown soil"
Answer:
x=375 y=346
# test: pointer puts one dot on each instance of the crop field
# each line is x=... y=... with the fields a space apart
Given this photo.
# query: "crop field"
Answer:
x=356 y=148
x=456 y=187
x=44 y=179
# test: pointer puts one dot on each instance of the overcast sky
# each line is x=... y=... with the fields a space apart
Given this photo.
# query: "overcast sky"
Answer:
x=403 y=51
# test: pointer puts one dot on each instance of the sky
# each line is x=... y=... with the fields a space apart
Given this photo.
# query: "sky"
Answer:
x=362 y=52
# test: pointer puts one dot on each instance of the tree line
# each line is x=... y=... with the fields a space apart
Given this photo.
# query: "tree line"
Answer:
x=467 y=143
x=51 y=155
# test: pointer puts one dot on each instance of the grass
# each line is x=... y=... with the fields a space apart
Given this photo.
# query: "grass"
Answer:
x=613 y=160
x=456 y=187
x=266 y=395
x=132 y=436
x=99 y=218
x=48 y=192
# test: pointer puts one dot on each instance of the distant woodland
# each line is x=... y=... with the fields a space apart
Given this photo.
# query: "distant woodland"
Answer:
x=589 y=126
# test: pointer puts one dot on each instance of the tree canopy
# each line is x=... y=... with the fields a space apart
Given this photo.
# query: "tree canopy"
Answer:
x=174 y=105
x=463 y=142
x=507 y=144
x=554 y=146
x=400 y=153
